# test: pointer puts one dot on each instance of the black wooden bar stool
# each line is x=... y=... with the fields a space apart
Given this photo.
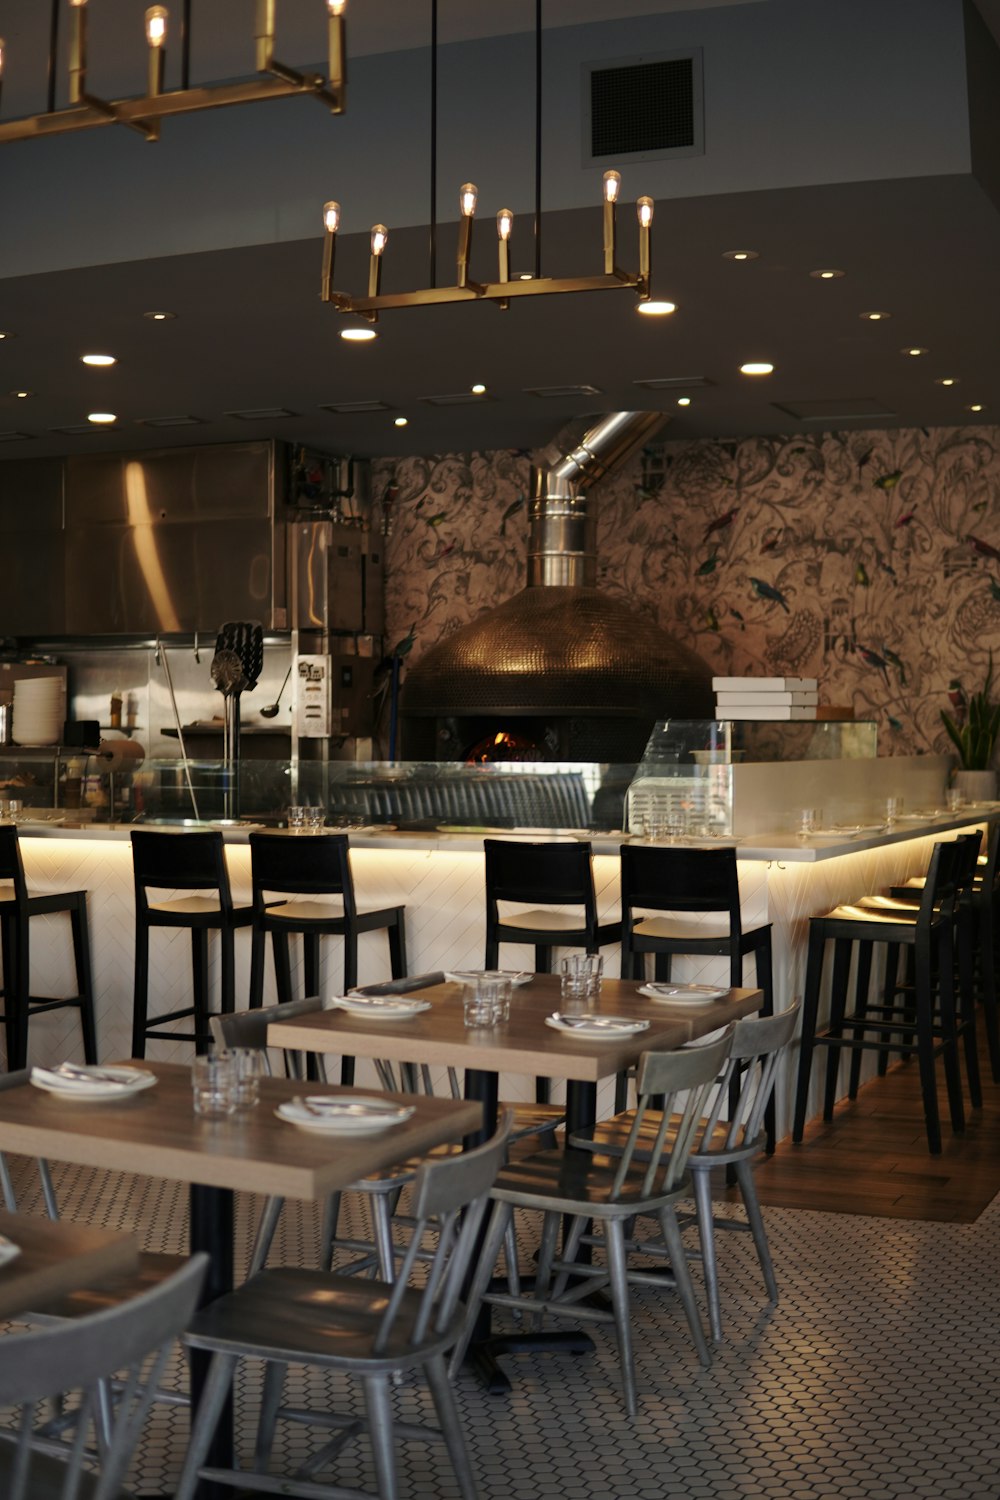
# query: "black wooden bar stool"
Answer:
x=542 y=876
x=17 y=907
x=194 y=863
x=311 y=867
x=925 y=1026
x=697 y=893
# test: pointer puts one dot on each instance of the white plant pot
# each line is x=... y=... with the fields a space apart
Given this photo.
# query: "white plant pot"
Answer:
x=977 y=786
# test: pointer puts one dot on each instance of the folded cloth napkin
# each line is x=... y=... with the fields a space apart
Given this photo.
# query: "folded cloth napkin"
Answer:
x=401 y=986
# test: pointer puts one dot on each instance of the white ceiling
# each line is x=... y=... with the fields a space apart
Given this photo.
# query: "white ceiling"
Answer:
x=250 y=332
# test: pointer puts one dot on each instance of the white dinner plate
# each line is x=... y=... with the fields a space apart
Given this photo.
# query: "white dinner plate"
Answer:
x=472 y=976
x=596 y=1028
x=357 y=1115
x=682 y=994
x=104 y=1084
x=8 y=1250
x=380 y=1007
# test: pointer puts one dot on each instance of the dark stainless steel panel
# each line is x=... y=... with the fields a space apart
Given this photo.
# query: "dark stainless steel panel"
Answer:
x=328 y=588
x=32 y=547
x=225 y=481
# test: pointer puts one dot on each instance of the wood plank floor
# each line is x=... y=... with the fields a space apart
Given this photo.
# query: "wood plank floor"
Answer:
x=872 y=1158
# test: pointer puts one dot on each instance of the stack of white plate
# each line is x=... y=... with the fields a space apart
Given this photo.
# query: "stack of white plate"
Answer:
x=39 y=710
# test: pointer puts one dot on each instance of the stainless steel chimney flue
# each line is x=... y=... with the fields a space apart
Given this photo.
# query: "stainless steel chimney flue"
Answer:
x=562 y=537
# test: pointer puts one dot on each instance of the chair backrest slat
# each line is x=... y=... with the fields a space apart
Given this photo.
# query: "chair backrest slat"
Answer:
x=310 y=865
x=179 y=861
x=680 y=880
x=685 y=1079
x=550 y=873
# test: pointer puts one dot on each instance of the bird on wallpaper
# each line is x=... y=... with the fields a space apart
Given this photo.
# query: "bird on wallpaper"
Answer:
x=893 y=723
x=708 y=566
x=861 y=575
x=771 y=543
x=738 y=617
x=721 y=522
x=444 y=551
x=865 y=458
x=711 y=619
x=872 y=659
x=768 y=591
x=437 y=518
x=886 y=566
x=512 y=510
x=894 y=661
x=886 y=482
x=956 y=694
x=983 y=548
x=994 y=589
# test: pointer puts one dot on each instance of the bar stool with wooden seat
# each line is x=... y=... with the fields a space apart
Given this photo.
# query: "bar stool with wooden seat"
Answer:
x=926 y=1026
x=542 y=876
x=17 y=907
x=312 y=866
x=687 y=885
x=194 y=863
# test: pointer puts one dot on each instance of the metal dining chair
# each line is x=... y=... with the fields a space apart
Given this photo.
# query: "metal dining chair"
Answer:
x=366 y=1331
x=131 y=1341
x=758 y=1044
x=611 y=1193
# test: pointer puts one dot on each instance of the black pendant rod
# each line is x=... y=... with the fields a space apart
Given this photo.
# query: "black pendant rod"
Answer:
x=186 y=45
x=434 y=149
x=538 y=139
x=53 y=49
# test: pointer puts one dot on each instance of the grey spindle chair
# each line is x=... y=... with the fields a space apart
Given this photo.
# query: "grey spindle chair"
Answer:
x=610 y=1192
x=758 y=1043
x=132 y=1340
x=362 y=1329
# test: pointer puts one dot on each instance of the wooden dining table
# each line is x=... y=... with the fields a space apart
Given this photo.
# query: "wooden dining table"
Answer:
x=156 y=1132
x=55 y=1258
x=525 y=1044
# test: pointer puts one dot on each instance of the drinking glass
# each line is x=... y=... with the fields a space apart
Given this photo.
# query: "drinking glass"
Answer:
x=574 y=981
x=213 y=1084
x=593 y=969
x=315 y=819
x=808 y=821
x=500 y=993
x=250 y=1067
x=477 y=1004
x=296 y=819
x=953 y=797
x=893 y=809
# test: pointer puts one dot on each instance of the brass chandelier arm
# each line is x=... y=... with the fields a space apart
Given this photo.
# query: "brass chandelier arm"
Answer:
x=132 y=112
x=492 y=291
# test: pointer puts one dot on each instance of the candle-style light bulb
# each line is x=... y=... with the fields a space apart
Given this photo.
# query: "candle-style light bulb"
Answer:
x=336 y=7
x=336 y=69
x=644 y=210
x=380 y=238
x=505 y=223
x=505 y=226
x=467 y=199
x=331 y=217
x=612 y=186
x=331 y=223
x=156 y=25
x=78 y=52
x=77 y=4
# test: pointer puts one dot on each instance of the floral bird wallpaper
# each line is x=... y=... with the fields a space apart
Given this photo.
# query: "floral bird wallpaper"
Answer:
x=870 y=560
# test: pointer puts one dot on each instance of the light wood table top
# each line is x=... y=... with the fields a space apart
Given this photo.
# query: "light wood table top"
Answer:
x=57 y=1258
x=524 y=1044
x=156 y=1132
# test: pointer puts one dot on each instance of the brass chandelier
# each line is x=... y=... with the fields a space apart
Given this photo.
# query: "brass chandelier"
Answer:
x=273 y=81
x=505 y=289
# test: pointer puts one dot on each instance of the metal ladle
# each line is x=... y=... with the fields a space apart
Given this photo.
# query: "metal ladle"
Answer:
x=270 y=710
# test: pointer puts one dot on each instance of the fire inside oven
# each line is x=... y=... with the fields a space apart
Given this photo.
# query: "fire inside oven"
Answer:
x=505 y=745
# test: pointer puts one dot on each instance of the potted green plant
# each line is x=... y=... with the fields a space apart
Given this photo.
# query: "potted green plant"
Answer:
x=973 y=731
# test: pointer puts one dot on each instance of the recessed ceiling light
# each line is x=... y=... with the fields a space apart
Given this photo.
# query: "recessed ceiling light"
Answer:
x=656 y=309
x=976 y=406
x=22 y=395
x=946 y=380
x=100 y=360
x=524 y=276
x=914 y=351
x=160 y=317
x=827 y=275
x=479 y=389
x=400 y=421
x=875 y=317
x=683 y=400
x=358 y=334
x=757 y=367
x=6 y=334
x=740 y=255
x=101 y=418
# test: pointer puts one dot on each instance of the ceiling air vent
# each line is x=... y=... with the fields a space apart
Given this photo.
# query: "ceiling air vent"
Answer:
x=644 y=107
x=178 y=421
x=262 y=414
x=835 y=409
x=675 y=383
x=460 y=398
x=14 y=437
x=561 y=390
x=354 y=408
